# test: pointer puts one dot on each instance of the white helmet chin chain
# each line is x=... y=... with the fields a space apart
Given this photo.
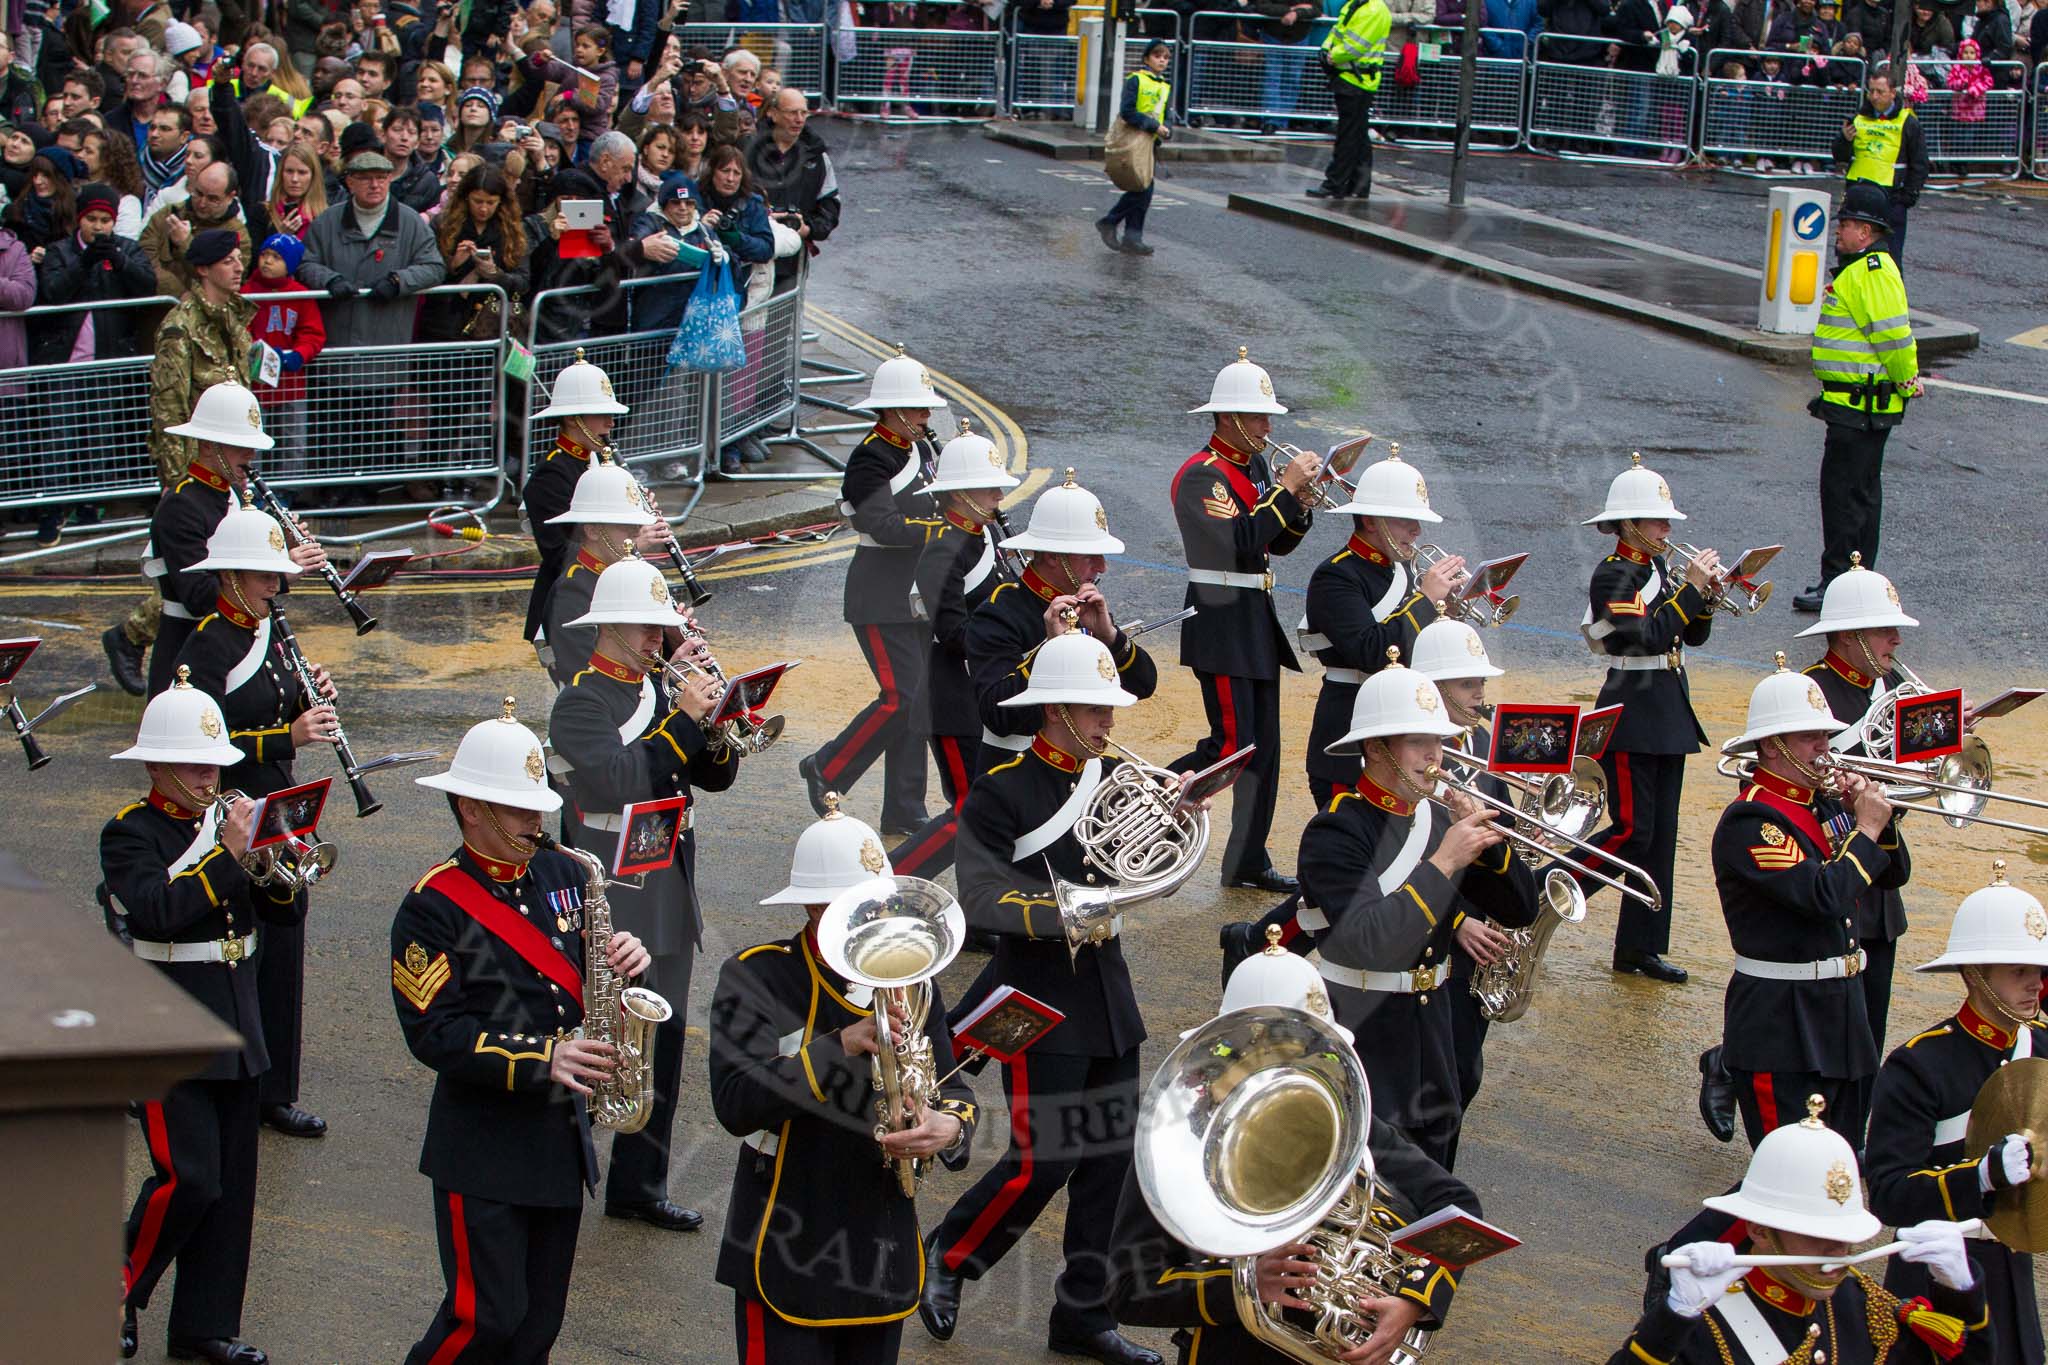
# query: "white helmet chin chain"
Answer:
x=1973 y=976
x=1059 y=708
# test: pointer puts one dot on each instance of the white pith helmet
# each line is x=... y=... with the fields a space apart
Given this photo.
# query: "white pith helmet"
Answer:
x=1274 y=976
x=1067 y=520
x=631 y=592
x=1075 y=669
x=1395 y=701
x=1859 y=599
x=901 y=382
x=1995 y=924
x=248 y=540
x=606 y=494
x=1802 y=1179
x=1390 y=488
x=582 y=390
x=181 y=724
x=1637 y=494
x=1241 y=387
x=227 y=414
x=833 y=856
x=499 y=761
x=1450 y=649
x=969 y=461
x=1784 y=703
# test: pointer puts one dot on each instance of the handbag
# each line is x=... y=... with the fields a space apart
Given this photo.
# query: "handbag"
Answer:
x=1127 y=156
x=708 y=339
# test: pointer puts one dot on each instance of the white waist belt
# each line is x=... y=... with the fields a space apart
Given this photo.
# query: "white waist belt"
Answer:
x=1350 y=676
x=177 y=611
x=1314 y=642
x=610 y=822
x=1656 y=663
x=1223 y=578
x=1397 y=983
x=1827 y=969
x=766 y=1143
x=1015 y=744
x=865 y=539
x=228 y=950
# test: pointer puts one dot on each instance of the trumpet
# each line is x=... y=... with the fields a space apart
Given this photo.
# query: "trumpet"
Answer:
x=739 y=731
x=1492 y=609
x=1335 y=466
x=1531 y=834
x=297 y=864
x=1727 y=593
x=296 y=535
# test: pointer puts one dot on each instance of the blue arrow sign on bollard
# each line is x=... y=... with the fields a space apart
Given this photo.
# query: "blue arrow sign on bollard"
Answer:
x=1808 y=222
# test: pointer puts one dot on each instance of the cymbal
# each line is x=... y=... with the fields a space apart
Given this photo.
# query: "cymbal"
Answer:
x=2015 y=1100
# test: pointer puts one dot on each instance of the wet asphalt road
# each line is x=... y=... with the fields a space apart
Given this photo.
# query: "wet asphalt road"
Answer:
x=1583 y=1141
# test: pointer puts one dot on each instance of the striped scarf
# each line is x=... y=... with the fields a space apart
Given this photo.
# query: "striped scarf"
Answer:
x=158 y=172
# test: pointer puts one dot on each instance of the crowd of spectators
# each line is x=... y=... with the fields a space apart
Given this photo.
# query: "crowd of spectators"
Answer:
x=353 y=158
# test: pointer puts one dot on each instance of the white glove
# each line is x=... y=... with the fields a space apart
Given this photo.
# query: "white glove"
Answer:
x=1699 y=1284
x=2009 y=1162
x=1939 y=1247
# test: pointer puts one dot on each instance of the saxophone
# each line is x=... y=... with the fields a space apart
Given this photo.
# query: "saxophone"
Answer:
x=623 y=1016
x=1503 y=986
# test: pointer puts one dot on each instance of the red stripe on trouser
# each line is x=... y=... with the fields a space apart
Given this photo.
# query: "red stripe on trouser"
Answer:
x=1229 y=714
x=1290 y=931
x=1014 y=1187
x=757 y=1349
x=458 y=1340
x=885 y=707
x=1766 y=1101
x=1624 y=805
x=956 y=764
x=159 y=1202
x=908 y=860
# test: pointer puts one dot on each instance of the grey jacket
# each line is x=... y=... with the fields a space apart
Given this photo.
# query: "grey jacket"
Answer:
x=337 y=250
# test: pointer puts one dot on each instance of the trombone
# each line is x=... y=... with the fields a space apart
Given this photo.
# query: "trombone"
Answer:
x=1519 y=834
x=1567 y=804
x=1961 y=782
x=1730 y=592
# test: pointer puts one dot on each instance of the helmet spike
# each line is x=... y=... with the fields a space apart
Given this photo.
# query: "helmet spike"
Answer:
x=184 y=678
x=1781 y=661
x=511 y=710
x=1243 y=354
x=1070 y=479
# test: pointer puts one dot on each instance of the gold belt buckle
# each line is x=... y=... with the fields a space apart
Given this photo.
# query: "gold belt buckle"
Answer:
x=1676 y=657
x=232 y=951
x=1269 y=581
x=1852 y=965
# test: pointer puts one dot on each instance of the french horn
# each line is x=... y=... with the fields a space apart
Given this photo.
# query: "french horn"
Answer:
x=1136 y=831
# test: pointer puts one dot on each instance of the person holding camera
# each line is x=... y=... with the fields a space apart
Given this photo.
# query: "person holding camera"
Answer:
x=792 y=168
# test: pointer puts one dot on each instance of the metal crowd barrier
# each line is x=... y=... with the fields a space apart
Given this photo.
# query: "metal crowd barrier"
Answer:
x=1747 y=116
x=1968 y=136
x=1267 y=83
x=1430 y=107
x=2040 y=98
x=1604 y=113
x=922 y=72
x=1042 y=66
x=795 y=50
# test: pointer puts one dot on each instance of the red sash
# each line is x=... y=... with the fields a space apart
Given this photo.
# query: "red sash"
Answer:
x=518 y=933
x=1801 y=817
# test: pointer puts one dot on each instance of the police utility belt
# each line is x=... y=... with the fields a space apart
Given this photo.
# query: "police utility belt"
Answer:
x=1396 y=983
x=1827 y=969
x=1226 y=578
x=228 y=950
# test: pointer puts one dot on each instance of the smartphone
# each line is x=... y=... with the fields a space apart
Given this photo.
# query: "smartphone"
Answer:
x=482 y=253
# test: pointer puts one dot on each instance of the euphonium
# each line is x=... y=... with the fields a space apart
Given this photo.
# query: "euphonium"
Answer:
x=894 y=934
x=1135 y=831
x=1503 y=987
x=623 y=1016
x=1253 y=1134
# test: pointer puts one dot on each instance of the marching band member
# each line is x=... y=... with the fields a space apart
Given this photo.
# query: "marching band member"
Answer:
x=1068 y=541
x=1158 y=1282
x=880 y=495
x=487 y=963
x=1073 y=1097
x=226 y=431
x=1792 y=860
x=1640 y=621
x=233 y=655
x=1362 y=600
x=174 y=884
x=582 y=400
x=1801 y=1197
x=620 y=736
x=1387 y=882
x=1234 y=516
x=956 y=571
x=788 y=1035
x=609 y=517
x=1998 y=944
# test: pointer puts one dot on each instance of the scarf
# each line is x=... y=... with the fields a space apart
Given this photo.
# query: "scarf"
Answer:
x=157 y=171
x=37 y=214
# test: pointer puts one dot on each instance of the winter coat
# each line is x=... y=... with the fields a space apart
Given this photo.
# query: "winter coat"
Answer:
x=1969 y=81
x=655 y=307
x=173 y=276
x=1631 y=20
x=545 y=66
x=17 y=292
x=337 y=250
x=1937 y=32
x=285 y=325
x=745 y=232
x=69 y=275
x=1993 y=34
x=1574 y=17
x=443 y=317
x=1032 y=17
x=1516 y=14
x=567 y=319
x=802 y=180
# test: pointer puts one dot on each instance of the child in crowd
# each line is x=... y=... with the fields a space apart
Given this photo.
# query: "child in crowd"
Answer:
x=292 y=327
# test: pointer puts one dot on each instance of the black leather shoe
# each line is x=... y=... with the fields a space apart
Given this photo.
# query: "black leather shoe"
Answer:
x=1106 y=230
x=1657 y=1280
x=1652 y=966
x=1717 y=1095
x=814 y=784
x=1272 y=879
x=894 y=831
x=124 y=660
x=1108 y=1345
x=1325 y=192
x=293 y=1121
x=129 y=1343
x=1238 y=940
x=1810 y=600
x=662 y=1213
x=939 y=1305
x=221 y=1350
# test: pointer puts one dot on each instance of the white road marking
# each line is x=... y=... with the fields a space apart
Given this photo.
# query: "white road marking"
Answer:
x=1934 y=383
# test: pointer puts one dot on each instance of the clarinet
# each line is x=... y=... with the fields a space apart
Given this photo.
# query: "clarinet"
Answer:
x=360 y=614
x=30 y=745
x=699 y=594
x=366 y=804
x=1010 y=561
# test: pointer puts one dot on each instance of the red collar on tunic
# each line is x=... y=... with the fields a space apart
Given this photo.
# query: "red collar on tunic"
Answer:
x=1052 y=753
x=973 y=528
x=1366 y=550
x=890 y=437
x=209 y=476
x=233 y=614
x=1777 y=1293
x=170 y=807
x=615 y=670
x=1369 y=790
x=1219 y=445
x=1782 y=787
x=1848 y=671
x=495 y=869
x=1034 y=581
x=1982 y=1029
x=569 y=447
x=1630 y=552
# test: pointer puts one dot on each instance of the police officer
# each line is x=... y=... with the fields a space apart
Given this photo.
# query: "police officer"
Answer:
x=226 y=430
x=1234 y=516
x=957 y=569
x=1998 y=944
x=1067 y=541
x=789 y=1078
x=880 y=495
x=1867 y=365
x=1884 y=146
x=1157 y=1281
x=610 y=519
x=175 y=888
x=585 y=409
x=1639 y=619
x=1353 y=54
x=235 y=655
x=1388 y=877
x=487 y=969
x=1075 y=1093
x=621 y=736
x=1801 y=1196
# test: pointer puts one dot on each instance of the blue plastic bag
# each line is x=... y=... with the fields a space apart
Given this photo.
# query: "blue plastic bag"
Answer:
x=708 y=338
